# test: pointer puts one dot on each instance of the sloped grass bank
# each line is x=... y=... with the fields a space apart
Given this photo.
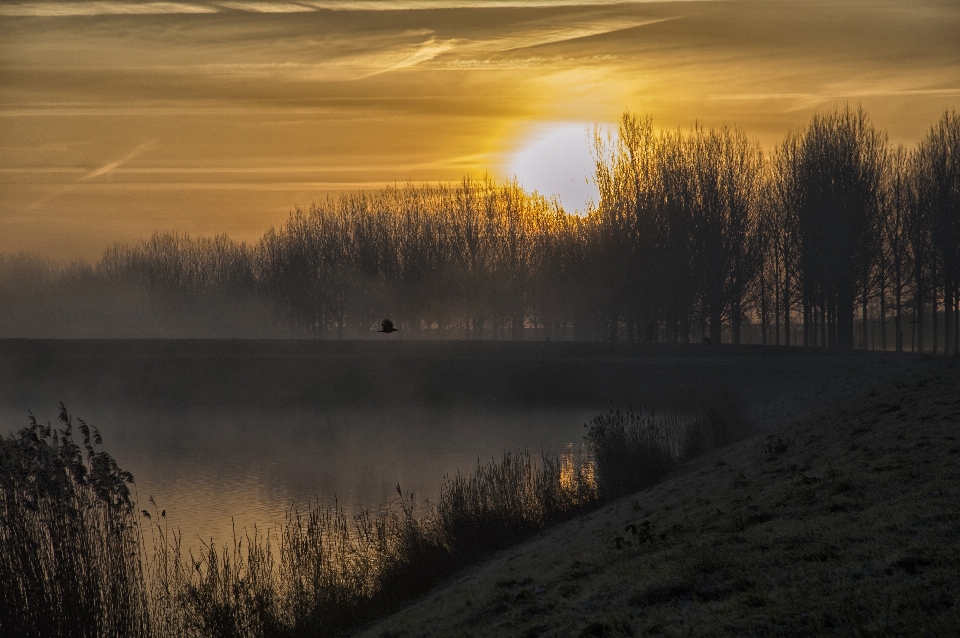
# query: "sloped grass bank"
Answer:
x=846 y=523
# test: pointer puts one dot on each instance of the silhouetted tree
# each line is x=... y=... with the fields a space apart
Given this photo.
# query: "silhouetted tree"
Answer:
x=837 y=175
x=937 y=219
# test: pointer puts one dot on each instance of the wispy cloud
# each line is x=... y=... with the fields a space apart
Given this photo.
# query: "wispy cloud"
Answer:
x=103 y=170
x=422 y=52
x=833 y=95
x=266 y=7
x=112 y=166
x=95 y=8
x=803 y=101
x=489 y=52
x=61 y=9
x=402 y=5
x=476 y=52
x=287 y=186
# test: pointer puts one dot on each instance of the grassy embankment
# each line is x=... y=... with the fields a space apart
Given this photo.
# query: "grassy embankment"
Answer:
x=843 y=523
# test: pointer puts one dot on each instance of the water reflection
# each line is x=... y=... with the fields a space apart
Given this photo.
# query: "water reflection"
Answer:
x=211 y=470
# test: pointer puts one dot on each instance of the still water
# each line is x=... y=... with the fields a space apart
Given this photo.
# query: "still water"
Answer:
x=216 y=469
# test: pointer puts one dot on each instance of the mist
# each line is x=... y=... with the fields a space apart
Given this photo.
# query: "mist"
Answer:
x=228 y=434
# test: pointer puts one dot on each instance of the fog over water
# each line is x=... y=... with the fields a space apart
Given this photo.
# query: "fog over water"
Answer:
x=221 y=431
x=218 y=435
x=210 y=468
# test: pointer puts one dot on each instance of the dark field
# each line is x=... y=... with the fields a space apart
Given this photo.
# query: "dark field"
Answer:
x=184 y=375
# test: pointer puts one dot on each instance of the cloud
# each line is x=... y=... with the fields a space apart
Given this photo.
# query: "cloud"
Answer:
x=423 y=52
x=287 y=186
x=63 y=188
x=266 y=7
x=97 y=8
x=407 y=5
x=803 y=101
x=110 y=167
x=60 y=9
x=475 y=53
x=480 y=53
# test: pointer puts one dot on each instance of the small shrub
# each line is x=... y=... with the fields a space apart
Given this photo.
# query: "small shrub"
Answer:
x=632 y=451
x=722 y=420
x=775 y=445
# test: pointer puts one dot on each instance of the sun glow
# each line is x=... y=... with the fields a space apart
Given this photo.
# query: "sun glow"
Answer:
x=556 y=159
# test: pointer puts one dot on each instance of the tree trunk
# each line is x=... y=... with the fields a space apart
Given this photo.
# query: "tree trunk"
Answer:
x=883 y=314
x=652 y=330
x=919 y=322
x=947 y=318
x=898 y=302
x=786 y=311
x=716 y=326
x=763 y=313
x=956 y=321
x=776 y=320
x=844 y=312
x=735 y=323
x=806 y=319
x=863 y=320
x=827 y=333
x=933 y=315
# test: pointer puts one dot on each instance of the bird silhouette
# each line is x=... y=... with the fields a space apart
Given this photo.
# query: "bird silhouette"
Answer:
x=387 y=326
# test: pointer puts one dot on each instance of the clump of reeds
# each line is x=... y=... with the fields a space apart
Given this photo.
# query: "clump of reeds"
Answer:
x=633 y=450
x=69 y=544
x=722 y=419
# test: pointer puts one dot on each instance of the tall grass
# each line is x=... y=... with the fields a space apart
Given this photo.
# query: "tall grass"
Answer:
x=77 y=560
x=327 y=571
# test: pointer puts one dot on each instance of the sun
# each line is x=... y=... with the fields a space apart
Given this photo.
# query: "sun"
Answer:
x=556 y=159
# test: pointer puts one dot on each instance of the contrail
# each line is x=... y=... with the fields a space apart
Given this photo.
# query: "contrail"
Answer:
x=103 y=170
x=107 y=168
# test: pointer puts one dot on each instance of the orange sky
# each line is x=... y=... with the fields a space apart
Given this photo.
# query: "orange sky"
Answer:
x=119 y=118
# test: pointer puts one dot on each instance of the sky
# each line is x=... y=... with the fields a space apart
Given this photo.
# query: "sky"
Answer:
x=121 y=118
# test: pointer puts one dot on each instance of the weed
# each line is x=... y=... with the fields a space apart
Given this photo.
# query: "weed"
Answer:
x=775 y=445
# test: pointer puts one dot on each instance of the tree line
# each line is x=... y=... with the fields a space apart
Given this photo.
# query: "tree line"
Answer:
x=836 y=237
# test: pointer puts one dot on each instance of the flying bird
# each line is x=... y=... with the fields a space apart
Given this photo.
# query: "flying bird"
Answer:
x=387 y=326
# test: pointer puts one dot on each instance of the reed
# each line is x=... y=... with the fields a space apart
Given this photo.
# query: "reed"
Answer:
x=69 y=545
x=633 y=450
